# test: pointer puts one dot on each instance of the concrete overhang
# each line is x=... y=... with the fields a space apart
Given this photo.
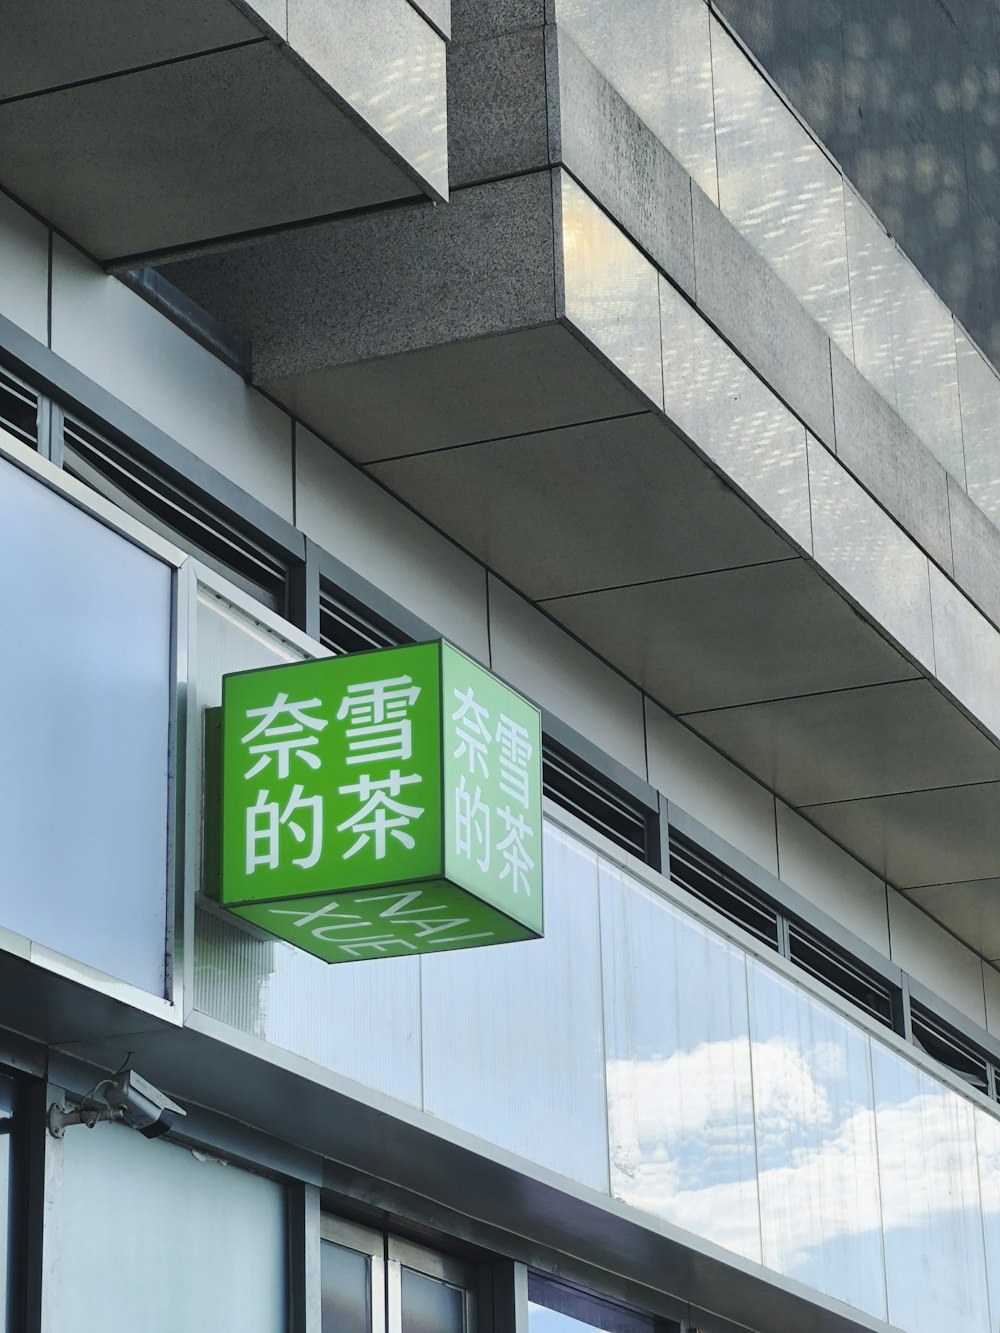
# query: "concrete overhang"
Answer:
x=138 y=129
x=536 y=389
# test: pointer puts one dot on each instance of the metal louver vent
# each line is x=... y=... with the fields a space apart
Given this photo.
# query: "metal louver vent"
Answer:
x=176 y=514
x=346 y=626
x=18 y=409
x=714 y=883
x=950 y=1048
x=816 y=955
x=599 y=802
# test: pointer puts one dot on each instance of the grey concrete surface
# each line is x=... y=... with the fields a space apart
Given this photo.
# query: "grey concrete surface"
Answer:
x=54 y=42
x=437 y=12
x=889 y=460
x=222 y=143
x=388 y=64
x=743 y=296
x=496 y=106
x=976 y=545
x=597 y=136
x=471 y=19
x=482 y=265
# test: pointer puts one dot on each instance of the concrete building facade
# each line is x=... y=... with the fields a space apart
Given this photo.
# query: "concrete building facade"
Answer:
x=646 y=351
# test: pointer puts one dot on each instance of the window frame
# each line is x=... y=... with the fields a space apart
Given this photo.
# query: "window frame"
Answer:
x=388 y=1256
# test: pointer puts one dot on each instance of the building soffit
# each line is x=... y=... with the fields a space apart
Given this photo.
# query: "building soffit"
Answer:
x=135 y=133
x=539 y=390
x=576 y=416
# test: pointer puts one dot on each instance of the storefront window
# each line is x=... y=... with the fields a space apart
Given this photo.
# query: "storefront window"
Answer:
x=372 y=1283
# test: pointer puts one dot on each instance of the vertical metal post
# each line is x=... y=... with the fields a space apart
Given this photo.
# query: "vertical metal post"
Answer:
x=303 y=591
x=304 y=1295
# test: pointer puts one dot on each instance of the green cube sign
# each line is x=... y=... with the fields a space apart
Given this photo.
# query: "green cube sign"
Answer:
x=381 y=804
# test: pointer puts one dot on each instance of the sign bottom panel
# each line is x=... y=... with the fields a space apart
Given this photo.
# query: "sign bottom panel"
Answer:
x=427 y=917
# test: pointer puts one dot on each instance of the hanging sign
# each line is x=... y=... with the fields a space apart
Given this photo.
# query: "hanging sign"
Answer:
x=381 y=804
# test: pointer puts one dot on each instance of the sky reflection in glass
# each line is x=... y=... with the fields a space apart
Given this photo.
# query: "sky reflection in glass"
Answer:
x=932 y=1217
x=816 y=1149
x=680 y=1105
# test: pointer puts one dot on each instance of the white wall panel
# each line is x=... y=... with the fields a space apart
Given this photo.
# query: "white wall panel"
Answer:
x=935 y=958
x=812 y=865
x=85 y=683
x=558 y=673
x=991 y=985
x=358 y=522
x=122 y=343
x=24 y=269
x=710 y=788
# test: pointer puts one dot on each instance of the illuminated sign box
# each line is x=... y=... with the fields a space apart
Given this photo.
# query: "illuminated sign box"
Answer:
x=381 y=804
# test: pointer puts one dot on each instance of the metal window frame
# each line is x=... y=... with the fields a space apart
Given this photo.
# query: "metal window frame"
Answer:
x=787 y=901
x=196 y=522
x=635 y=798
x=10 y=382
x=577 y=1302
x=388 y=1256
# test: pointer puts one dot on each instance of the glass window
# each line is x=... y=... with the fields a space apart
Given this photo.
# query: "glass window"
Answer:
x=430 y=1306
x=210 y=1253
x=352 y=1278
x=932 y=1214
x=346 y=1282
x=372 y=1282
x=817 y=1161
x=18 y=409
x=679 y=1082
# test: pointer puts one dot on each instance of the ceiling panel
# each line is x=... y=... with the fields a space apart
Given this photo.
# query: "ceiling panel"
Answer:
x=222 y=143
x=970 y=910
x=715 y=640
x=454 y=393
x=873 y=741
x=589 y=506
x=52 y=42
x=931 y=837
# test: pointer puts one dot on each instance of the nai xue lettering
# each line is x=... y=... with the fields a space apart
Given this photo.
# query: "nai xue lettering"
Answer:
x=381 y=804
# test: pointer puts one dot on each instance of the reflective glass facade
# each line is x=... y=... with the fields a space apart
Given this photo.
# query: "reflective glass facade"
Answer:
x=640 y=1052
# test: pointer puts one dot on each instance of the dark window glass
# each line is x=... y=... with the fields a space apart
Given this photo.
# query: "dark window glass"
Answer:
x=598 y=802
x=346 y=1286
x=838 y=969
x=18 y=409
x=346 y=626
x=430 y=1306
x=182 y=518
x=713 y=882
x=950 y=1048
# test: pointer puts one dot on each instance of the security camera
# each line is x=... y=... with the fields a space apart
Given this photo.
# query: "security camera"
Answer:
x=131 y=1099
x=140 y=1105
